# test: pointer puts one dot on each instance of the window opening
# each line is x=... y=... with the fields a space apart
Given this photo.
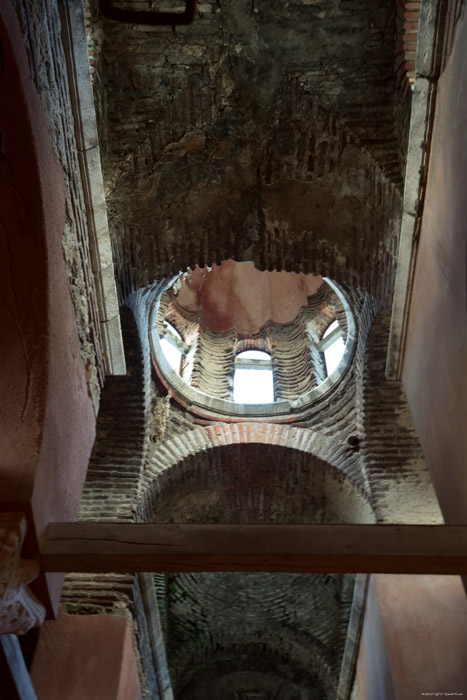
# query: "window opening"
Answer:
x=333 y=347
x=253 y=378
x=172 y=346
x=188 y=361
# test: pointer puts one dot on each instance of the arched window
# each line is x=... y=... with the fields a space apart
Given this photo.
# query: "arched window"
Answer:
x=173 y=347
x=253 y=378
x=332 y=346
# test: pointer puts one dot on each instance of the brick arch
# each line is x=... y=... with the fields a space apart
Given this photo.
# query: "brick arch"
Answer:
x=230 y=461
x=279 y=600
x=265 y=659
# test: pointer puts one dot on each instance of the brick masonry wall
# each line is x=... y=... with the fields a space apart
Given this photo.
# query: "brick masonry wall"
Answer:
x=213 y=363
x=408 y=14
x=334 y=416
x=289 y=346
x=400 y=484
x=111 y=489
x=292 y=623
x=41 y=29
x=116 y=462
x=252 y=472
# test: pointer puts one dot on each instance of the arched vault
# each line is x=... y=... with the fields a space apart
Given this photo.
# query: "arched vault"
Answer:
x=253 y=472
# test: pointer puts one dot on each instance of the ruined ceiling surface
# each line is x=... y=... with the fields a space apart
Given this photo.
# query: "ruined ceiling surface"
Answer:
x=238 y=296
x=265 y=131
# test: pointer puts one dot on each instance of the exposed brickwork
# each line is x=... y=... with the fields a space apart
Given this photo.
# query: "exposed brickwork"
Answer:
x=111 y=486
x=289 y=345
x=335 y=415
x=111 y=489
x=399 y=481
x=408 y=15
x=294 y=621
x=259 y=108
x=252 y=472
x=41 y=28
x=242 y=485
x=213 y=363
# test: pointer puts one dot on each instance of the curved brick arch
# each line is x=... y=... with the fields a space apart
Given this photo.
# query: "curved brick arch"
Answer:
x=249 y=462
x=292 y=617
x=267 y=655
x=399 y=480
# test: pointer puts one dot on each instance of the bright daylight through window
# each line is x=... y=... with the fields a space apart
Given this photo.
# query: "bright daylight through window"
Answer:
x=225 y=340
x=253 y=379
x=333 y=351
x=170 y=347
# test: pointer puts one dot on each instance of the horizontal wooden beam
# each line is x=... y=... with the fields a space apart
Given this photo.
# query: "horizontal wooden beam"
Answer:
x=122 y=547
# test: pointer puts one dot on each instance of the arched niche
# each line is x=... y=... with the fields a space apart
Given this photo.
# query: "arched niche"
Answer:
x=251 y=483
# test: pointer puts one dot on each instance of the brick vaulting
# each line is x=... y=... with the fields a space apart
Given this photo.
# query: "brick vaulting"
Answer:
x=275 y=133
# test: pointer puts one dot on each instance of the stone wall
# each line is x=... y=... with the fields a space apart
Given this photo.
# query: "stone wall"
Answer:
x=41 y=28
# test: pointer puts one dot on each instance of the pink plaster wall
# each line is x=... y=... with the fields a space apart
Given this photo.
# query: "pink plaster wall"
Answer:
x=435 y=365
x=237 y=295
x=47 y=422
x=423 y=623
x=373 y=673
x=85 y=657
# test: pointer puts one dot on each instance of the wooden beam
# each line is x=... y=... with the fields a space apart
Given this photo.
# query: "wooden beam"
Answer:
x=123 y=547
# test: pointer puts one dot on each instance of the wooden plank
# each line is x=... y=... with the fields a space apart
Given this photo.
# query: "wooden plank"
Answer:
x=123 y=547
x=17 y=685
